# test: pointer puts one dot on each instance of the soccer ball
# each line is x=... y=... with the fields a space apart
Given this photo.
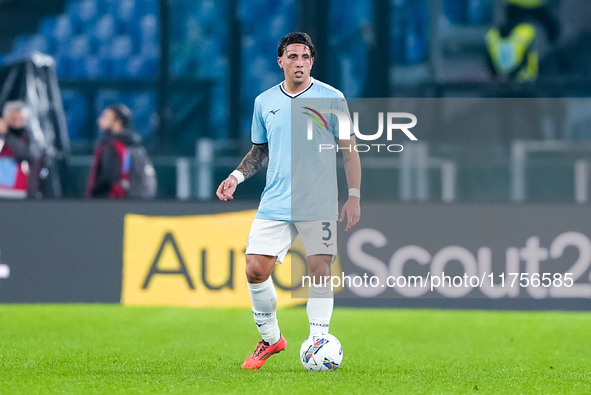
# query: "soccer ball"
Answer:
x=321 y=352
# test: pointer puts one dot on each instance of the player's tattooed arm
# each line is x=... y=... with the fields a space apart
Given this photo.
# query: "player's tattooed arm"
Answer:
x=256 y=158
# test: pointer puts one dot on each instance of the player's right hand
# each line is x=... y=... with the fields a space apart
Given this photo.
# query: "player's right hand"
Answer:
x=227 y=188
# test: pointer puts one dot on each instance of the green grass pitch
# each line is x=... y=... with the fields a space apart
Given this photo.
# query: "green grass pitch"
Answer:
x=109 y=349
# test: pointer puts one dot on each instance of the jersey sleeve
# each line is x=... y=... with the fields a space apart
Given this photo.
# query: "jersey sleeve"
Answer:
x=340 y=103
x=258 y=132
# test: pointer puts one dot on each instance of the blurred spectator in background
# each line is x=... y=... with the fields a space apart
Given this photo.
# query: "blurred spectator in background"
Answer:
x=511 y=46
x=518 y=11
x=16 y=159
x=109 y=175
x=530 y=11
x=511 y=53
x=121 y=167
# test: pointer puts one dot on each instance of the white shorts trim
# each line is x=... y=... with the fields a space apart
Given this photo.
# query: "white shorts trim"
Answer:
x=273 y=238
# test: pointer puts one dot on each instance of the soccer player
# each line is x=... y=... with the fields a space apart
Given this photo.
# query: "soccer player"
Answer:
x=274 y=229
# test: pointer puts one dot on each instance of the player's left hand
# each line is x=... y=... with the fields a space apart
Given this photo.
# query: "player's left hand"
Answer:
x=352 y=211
x=227 y=188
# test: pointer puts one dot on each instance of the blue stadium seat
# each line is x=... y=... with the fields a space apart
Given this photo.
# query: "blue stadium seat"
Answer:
x=211 y=63
x=126 y=20
x=210 y=11
x=78 y=67
x=209 y=21
x=78 y=46
x=62 y=28
x=119 y=68
x=277 y=27
x=151 y=66
x=146 y=7
x=46 y=29
x=75 y=109
x=480 y=12
x=142 y=66
x=409 y=33
x=104 y=7
x=349 y=20
x=105 y=98
x=280 y=15
x=108 y=66
x=149 y=35
x=120 y=47
x=71 y=59
x=104 y=29
x=251 y=12
x=348 y=16
x=114 y=56
x=94 y=66
x=200 y=40
x=62 y=66
x=192 y=29
x=82 y=13
x=126 y=10
x=184 y=63
x=468 y=12
x=417 y=33
x=454 y=11
x=143 y=106
x=182 y=11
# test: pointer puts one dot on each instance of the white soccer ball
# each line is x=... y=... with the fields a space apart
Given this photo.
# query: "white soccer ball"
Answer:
x=321 y=352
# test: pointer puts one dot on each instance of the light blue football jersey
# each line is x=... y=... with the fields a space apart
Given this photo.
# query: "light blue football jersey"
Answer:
x=312 y=173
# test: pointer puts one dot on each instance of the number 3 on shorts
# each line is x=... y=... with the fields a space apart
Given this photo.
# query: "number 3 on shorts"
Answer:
x=326 y=227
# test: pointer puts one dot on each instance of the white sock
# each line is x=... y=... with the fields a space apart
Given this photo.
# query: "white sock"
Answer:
x=264 y=307
x=319 y=308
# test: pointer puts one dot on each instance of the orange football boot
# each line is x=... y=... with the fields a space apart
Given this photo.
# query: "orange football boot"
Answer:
x=262 y=353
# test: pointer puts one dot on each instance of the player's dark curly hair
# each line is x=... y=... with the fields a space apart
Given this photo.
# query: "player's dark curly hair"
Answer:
x=295 y=38
x=122 y=113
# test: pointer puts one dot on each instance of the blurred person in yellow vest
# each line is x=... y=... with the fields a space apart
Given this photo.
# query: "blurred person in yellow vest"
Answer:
x=510 y=47
x=511 y=54
x=519 y=11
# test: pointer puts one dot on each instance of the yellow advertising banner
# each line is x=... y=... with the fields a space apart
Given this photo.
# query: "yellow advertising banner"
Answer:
x=197 y=261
